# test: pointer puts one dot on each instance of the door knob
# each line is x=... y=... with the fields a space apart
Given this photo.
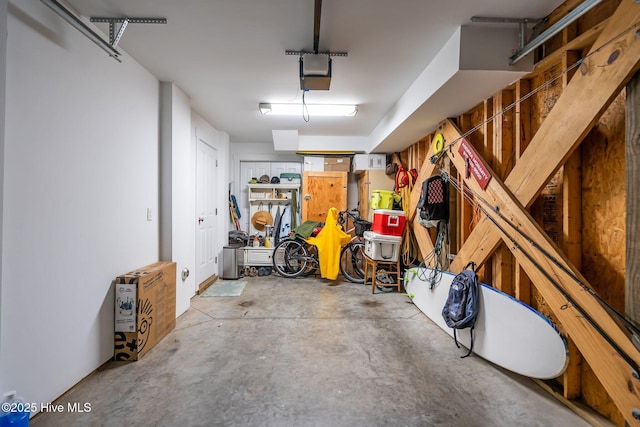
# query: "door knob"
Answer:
x=307 y=196
x=200 y=220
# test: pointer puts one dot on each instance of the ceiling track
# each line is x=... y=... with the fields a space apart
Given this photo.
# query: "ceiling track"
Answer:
x=326 y=52
x=316 y=37
x=114 y=38
x=316 y=25
x=541 y=38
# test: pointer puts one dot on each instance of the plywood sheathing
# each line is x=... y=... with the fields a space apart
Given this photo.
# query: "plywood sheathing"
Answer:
x=584 y=99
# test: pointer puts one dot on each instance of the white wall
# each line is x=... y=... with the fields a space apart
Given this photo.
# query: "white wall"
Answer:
x=3 y=75
x=220 y=141
x=177 y=190
x=81 y=160
x=81 y=169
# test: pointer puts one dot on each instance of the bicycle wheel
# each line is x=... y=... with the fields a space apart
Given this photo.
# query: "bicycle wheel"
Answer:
x=290 y=258
x=352 y=262
x=312 y=261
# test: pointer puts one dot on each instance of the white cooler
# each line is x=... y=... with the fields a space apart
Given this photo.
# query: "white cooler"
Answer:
x=381 y=247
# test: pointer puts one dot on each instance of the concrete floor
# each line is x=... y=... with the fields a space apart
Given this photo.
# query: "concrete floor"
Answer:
x=308 y=352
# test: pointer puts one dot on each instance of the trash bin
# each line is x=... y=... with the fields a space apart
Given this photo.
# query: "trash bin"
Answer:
x=230 y=262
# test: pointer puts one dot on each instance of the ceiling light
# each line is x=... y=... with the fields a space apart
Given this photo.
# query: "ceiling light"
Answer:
x=310 y=109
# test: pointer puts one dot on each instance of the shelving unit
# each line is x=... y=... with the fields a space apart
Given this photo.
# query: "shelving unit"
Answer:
x=269 y=196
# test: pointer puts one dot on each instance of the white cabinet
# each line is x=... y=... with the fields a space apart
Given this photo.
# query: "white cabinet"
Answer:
x=249 y=170
x=278 y=168
x=363 y=162
x=261 y=257
x=313 y=164
x=268 y=197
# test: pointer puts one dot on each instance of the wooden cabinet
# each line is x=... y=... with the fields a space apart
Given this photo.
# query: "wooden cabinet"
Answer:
x=368 y=181
x=321 y=191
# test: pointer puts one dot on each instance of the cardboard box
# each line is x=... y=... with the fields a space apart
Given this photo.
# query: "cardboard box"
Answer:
x=145 y=309
x=337 y=164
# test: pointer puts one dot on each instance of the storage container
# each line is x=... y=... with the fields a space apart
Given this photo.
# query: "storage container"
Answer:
x=380 y=247
x=362 y=162
x=290 y=178
x=388 y=222
x=382 y=199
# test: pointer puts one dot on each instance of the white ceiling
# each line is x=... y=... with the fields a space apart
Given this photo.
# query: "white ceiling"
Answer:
x=229 y=55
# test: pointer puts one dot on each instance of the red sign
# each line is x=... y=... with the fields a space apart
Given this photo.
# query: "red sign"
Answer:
x=474 y=165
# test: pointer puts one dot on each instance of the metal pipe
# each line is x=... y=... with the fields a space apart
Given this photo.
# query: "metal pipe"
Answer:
x=553 y=30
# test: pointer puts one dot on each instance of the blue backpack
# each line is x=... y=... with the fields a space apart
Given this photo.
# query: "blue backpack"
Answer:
x=461 y=308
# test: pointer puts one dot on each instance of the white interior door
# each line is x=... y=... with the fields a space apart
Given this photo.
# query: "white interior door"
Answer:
x=206 y=211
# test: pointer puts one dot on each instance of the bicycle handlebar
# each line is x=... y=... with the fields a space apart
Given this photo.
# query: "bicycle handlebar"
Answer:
x=354 y=214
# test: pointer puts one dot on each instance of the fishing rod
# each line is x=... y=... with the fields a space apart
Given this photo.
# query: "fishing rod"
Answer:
x=557 y=263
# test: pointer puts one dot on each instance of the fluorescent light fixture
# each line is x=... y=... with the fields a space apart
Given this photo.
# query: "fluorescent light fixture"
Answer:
x=77 y=23
x=310 y=109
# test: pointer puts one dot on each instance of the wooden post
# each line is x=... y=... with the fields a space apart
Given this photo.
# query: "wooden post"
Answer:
x=572 y=235
x=632 y=275
x=503 y=144
x=521 y=282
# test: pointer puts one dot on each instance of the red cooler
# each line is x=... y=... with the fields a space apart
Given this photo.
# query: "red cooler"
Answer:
x=388 y=222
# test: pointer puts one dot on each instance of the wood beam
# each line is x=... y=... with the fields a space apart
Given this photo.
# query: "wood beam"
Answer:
x=612 y=370
x=522 y=284
x=502 y=163
x=632 y=275
x=572 y=235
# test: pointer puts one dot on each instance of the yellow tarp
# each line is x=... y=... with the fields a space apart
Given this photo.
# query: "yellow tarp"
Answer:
x=329 y=241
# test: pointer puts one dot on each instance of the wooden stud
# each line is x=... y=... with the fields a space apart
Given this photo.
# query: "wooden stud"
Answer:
x=632 y=275
x=572 y=238
x=503 y=141
x=522 y=284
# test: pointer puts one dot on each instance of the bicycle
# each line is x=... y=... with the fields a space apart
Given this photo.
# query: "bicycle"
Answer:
x=294 y=257
x=352 y=254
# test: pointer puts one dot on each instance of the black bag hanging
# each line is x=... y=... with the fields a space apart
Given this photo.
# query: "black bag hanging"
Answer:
x=434 y=201
x=461 y=309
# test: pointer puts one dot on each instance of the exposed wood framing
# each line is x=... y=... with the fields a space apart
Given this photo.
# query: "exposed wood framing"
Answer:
x=612 y=371
x=572 y=235
x=607 y=69
x=632 y=279
x=522 y=284
x=503 y=150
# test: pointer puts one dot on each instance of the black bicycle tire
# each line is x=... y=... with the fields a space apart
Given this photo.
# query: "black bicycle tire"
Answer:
x=346 y=257
x=279 y=259
x=313 y=263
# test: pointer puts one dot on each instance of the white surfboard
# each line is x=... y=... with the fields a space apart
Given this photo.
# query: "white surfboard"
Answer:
x=507 y=332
